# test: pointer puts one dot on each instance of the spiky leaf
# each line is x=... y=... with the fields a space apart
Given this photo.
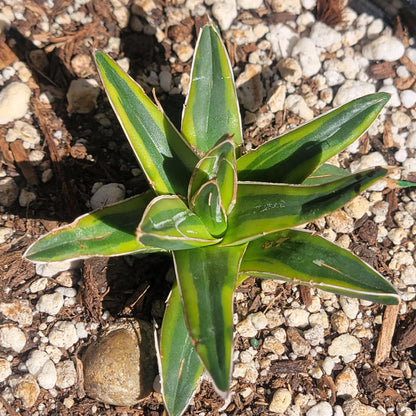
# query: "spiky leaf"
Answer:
x=166 y=158
x=300 y=257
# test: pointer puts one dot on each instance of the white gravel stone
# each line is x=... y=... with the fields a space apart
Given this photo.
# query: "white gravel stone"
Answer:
x=272 y=344
x=370 y=160
x=320 y=409
x=66 y=374
x=394 y=100
x=259 y=320
x=289 y=6
x=82 y=96
x=282 y=39
x=246 y=328
x=347 y=383
x=225 y=12
x=319 y=318
x=5 y=369
x=290 y=70
x=344 y=345
x=384 y=48
x=25 y=388
x=14 y=102
x=47 y=375
x=404 y=219
x=374 y=29
x=299 y=345
x=308 y=4
x=25 y=132
x=408 y=275
x=400 y=260
x=5 y=234
x=297 y=105
x=351 y=90
x=315 y=335
x=340 y=322
x=50 y=303
x=18 y=311
x=38 y=285
x=36 y=361
x=351 y=306
x=340 y=222
x=354 y=407
x=11 y=337
x=52 y=269
x=108 y=194
x=184 y=51
x=26 y=198
x=8 y=191
x=400 y=119
x=276 y=101
x=409 y=166
x=396 y=235
x=408 y=98
x=281 y=400
x=63 y=334
x=411 y=140
x=298 y=318
x=249 y=4
x=358 y=207
x=305 y=50
x=328 y=365
x=325 y=37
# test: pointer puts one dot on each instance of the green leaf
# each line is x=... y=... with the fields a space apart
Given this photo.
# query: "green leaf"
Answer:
x=300 y=257
x=263 y=208
x=211 y=108
x=165 y=157
x=108 y=231
x=206 y=278
x=206 y=203
x=325 y=173
x=218 y=164
x=169 y=224
x=181 y=368
x=292 y=157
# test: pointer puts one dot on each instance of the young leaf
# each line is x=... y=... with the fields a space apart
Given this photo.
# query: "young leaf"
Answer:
x=292 y=157
x=218 y=164
x=180 y=365
x=207 y=204
x=211 y=109
x=206 y=278
x=165 y=157
x=108 y=231
x=300 y=257
x=263 y=208
x=169 y=224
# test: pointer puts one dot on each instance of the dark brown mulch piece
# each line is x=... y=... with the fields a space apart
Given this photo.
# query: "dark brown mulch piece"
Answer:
x=406 y=337
x=383 y=70
x=21 y=157
x=5 y=150
x=393 y=201
x=305 y=294
x=368 y=232
x=291 y=367
x=330 y=11
x=7 y=56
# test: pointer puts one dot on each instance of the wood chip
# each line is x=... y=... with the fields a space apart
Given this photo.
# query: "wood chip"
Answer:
x=290 y=367
x=410 y=65
x=364 y=144
x=7 y=56
x=305 y=294
x=22 y=160
x=388 y=134
x=383 y=70
x=404 y=83
x=386 y=333
x=5 y=151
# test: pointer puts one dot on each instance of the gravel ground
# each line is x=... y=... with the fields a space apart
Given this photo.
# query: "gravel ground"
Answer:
x=298 y=351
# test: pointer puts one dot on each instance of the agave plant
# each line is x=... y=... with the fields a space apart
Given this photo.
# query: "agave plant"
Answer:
x=223 y=216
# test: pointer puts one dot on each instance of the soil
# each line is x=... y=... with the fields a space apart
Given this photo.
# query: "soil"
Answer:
x=88 y=153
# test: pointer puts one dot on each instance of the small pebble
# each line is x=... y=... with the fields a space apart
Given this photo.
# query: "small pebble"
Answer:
x=108 y=194
x=347 y=383
x=281 y=400
x=18 y=311
x=12 y=337
x=354 y=407
x=14 y=102
x=344 y=345
x=50 y=303
x=82 y=96
x=66 y=374
x=350 y=306
x=297 y=317
x=25 y=388
x=320 y=409
x=5 y=369
x=9 y=191
x=63 y=334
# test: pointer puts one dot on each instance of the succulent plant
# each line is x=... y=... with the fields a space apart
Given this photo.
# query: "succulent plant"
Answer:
x=221 y=213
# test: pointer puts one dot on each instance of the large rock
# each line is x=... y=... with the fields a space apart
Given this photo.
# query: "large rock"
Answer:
x=119 y=368
x=14 y=102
